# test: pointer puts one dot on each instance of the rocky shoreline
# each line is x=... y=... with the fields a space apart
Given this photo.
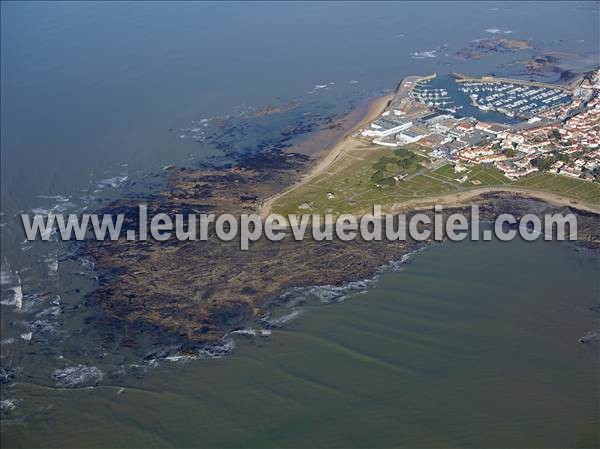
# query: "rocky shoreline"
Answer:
x=482 y=47
x=202 y=290
x=189 y=294
x=198 y=292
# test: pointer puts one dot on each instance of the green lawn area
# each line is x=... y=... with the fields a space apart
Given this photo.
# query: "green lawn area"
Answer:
x=476 y=175
x=365 y=176
x=575 y=188
x=447 y=172
x=362 y=178
x=487 y=176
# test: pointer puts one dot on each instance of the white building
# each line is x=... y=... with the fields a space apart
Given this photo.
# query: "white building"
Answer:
x=379 y=128
x=409 y=136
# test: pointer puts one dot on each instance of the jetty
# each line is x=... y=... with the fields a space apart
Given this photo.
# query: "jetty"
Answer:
x=459 y=78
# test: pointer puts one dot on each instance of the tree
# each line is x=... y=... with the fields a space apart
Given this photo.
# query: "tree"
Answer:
x=402 y=153
x=556 y=134
x=543 y=164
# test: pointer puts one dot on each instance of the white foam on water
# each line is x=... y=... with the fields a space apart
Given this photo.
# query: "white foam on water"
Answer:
x=180 y=358
x=113 y=182
x=248 y=332
x=17 y=290
x=279 y=321
x=498 y=31
x=398 y=265
x=217 y=350
x=52 y=264
x=327 y=294
x=330 y=293
x=44 y=327
x=6 y=277
x=59 y=198
x=252 y=332
x=27 y=336
x=53 y=311
x=590 y=337
x=424 y=54
x=86 y=199
x=8 y=404
x=63 y=207
x=43 y=211
x=80 y=375
x=87 y=263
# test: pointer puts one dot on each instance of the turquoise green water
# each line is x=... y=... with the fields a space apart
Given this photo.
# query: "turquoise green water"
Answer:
x=472 y=345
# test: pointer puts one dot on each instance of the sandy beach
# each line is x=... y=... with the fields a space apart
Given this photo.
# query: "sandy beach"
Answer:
x=374 y=110
x=326 y=158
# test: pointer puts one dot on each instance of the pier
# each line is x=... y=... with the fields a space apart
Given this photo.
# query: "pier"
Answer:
x=459 y=78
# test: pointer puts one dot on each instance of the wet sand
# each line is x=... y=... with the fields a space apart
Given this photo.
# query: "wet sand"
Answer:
x=454 y=199
x=337 y=151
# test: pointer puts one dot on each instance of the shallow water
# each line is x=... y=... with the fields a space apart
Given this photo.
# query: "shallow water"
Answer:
x=472 y=344
x=98 y=98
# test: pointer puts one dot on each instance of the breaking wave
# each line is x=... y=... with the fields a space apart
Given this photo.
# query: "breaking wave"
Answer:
x=424 y=54
x=78 y=376
x=498 y=31
x=114 y=182
x=14 y=289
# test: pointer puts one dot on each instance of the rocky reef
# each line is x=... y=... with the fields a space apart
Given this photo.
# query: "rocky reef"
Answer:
x=480 y=48
x=198 y=291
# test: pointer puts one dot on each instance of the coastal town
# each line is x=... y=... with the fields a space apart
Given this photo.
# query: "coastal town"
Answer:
x=548 y=128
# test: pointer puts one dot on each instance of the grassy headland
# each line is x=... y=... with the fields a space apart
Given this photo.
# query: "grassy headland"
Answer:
x=369 y=174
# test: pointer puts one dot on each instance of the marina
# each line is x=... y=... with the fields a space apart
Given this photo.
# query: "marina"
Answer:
x=296 y=108
x=546 y=118
x=514 y=100
x=425 y=93
x=443 y=93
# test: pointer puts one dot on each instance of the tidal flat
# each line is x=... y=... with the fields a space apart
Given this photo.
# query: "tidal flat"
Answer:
x=443 y=353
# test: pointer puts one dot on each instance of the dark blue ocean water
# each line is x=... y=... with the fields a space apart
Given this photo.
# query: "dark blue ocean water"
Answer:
x=97 y=97
x=89 y=87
